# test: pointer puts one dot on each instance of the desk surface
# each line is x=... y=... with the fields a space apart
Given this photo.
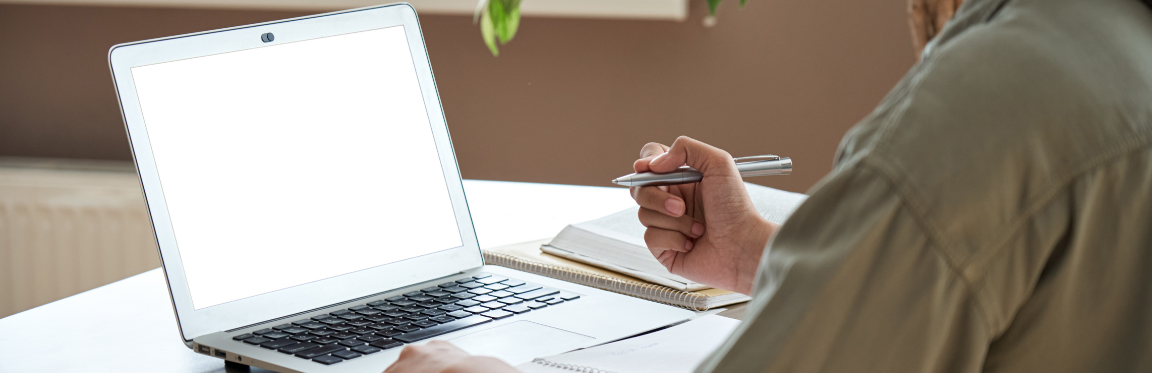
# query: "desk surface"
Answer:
x=129 y=325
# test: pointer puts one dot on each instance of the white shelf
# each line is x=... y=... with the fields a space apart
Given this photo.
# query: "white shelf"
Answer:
x=674 y=10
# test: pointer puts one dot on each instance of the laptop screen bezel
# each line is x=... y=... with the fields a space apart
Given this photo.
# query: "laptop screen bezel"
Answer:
x=192 y=322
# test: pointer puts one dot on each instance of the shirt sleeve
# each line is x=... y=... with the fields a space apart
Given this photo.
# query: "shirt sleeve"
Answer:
x=852 y=283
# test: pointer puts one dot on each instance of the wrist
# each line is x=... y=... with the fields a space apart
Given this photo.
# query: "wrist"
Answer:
x=760 y=232
x=486 y=364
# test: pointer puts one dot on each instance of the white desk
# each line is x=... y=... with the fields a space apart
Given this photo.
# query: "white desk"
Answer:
x=129 y=325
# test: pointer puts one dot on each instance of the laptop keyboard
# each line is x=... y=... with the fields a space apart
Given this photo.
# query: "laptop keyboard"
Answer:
x=380 y=325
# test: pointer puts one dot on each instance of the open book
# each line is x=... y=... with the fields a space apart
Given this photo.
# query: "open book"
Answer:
x=616 y=241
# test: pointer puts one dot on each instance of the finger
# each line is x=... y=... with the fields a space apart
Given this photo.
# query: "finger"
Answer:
x=944 y=11
x=663 y=239
x=688 y=151
x=916 y=16
x=684 y=224
x=653 y=198
x=649 y=151
x=667 y=259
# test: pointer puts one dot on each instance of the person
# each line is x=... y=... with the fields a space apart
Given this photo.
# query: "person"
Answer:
x=993 y=214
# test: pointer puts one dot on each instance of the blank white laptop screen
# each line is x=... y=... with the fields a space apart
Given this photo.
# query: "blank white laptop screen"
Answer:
x=293 y=163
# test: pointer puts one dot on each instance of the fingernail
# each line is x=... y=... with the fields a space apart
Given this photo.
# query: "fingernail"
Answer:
x=697 y=229
x=688 y=245
x=674 y=206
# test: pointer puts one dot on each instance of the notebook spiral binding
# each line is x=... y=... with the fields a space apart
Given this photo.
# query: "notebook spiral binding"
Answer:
x=655 y=293
x=574 y=368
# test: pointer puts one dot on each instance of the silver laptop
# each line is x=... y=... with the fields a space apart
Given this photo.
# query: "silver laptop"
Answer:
x=308 y=206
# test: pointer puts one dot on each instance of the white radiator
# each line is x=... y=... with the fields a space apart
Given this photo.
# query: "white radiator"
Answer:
x=67 y=227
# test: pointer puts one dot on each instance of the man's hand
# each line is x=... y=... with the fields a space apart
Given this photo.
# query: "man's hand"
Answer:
x=707 y=231
x=443 y=357
x=927 y=18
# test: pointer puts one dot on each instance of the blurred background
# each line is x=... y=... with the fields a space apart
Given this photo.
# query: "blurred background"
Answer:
x=584 y=84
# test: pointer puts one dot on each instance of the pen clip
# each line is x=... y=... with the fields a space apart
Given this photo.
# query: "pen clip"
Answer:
x=757 y=158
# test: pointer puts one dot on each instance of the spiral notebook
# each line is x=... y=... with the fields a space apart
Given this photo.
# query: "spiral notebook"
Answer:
x=678 y=349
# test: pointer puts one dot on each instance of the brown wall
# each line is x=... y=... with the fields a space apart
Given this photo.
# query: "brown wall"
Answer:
x=568 y=101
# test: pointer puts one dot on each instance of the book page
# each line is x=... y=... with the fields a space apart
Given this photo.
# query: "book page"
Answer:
x=676 y=349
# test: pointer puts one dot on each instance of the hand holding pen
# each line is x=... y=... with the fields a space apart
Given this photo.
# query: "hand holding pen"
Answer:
x=707 y=231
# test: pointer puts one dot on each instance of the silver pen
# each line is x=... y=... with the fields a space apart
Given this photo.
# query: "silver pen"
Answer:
x=760 y=165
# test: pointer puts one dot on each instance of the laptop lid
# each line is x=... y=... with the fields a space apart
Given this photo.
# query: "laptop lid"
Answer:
x=294 y=164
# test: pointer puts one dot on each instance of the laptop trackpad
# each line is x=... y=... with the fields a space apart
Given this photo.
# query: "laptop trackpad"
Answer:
x=521 y=341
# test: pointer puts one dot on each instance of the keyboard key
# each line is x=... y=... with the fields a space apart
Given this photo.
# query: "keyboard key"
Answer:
x=430 y=289
x=298 y=347
x=351 y=317
x=459 y=314
x=277 y=344
x=536 y=293
x=490 y=280
x=352 y=342
x=467 y=303
x=325 y=340
x=262 y=331
x=437 y=294
x=313 y=326
x=433 y=312
x=380 y=327
x=513 y=283
x=510 y=300
x=377 y=318
x=416 y=317
x=535 y=305
x=301 y=322
x=500 y=294
x=294 y=331
x=282 y=326
x=340 y=328
x=359 y=323
x=256 y=340
x=454 y=289
x=407 y=328
x=412 y=309
x=332 y=321
x=396 y=298
x=477 y=309
x=422 y=298
x=443 y=329
x=339 y=313
x=463 y=295
x=523 y=289
x=386 y=308
x=389 y=333
x=482 y=275
x=370 y=338
x=303 y=337
x=399 y=321
x=396 y=313
x=343 y=335
x=367 y=350
x=357 y=308
x=386 y=344
x=242 y=337
x=554 y=301
x=493 y=304
x=497 y=314
x=443 y=319
x=368 y=312
x=484 y=298
x=416 y=293
x=429 y=304
x=446 y=300
x=347 y=355
x=322 y=317
x=480 y=291
x=471 y=285
x=517 y=308
x=426 y=323
x=544 y=298
x=275 y=335
x=362 y=331
x=327 y=359
x=377 y=303
x=403 y=303
x=321 y=332
x=447 y=284
x=450 y=307
x=496 y=287
x=464 y=280
x=569 y=296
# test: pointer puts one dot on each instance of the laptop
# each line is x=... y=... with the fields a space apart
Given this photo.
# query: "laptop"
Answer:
x=309 y=210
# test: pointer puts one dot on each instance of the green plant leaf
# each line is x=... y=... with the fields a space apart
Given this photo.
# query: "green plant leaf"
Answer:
x=712 y=4
x=499 y=19
x=488 y=31
x=513 y=21
x=742 y=2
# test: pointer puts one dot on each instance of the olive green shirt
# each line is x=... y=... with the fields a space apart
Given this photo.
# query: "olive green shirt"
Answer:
x=993 y=214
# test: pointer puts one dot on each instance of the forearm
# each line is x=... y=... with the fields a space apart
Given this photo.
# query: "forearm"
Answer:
x=752 y=251
x=480 y=364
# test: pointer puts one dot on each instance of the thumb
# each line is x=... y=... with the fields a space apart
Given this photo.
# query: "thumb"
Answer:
x=691 y=152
